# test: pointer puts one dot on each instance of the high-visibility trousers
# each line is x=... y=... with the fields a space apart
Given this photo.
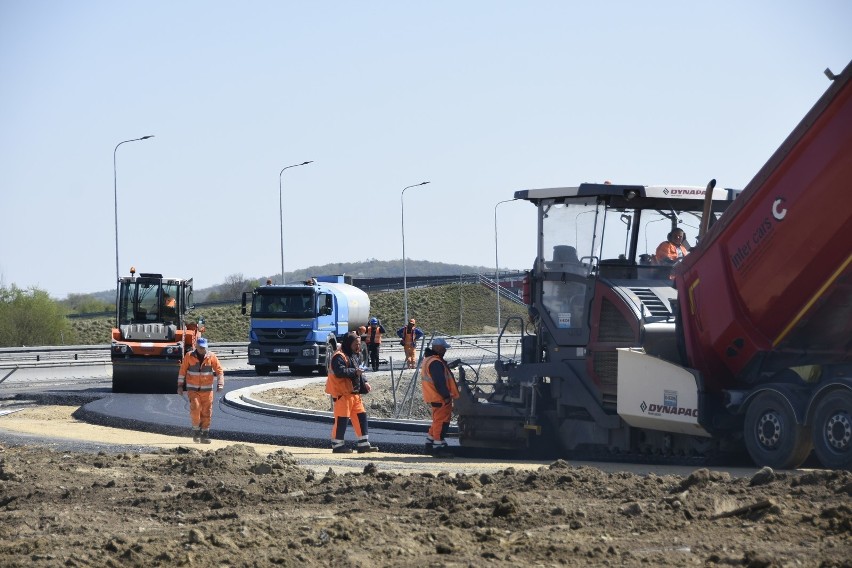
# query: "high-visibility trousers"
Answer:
x=200 y=408
x=441 y=414
x=410 y=355
x=346 y=407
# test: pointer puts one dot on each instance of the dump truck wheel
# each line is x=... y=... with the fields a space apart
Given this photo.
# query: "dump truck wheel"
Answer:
x=772 y=435
x=832 y=430
x=264 y=370
x=301 y=370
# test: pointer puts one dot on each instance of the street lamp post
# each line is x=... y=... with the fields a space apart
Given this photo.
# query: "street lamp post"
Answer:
x=281 y=211
x=404 y=274
x=497 y=262
x=115 y=195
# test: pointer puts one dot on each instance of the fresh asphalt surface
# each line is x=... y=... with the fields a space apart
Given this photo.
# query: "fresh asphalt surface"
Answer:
x=235 y=418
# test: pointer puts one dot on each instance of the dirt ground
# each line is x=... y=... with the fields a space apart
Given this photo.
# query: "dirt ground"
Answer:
x=385 y=399
x=243 y=505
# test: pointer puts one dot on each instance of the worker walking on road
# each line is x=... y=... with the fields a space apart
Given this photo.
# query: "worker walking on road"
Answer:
x=345 y=384
x=409 y=335
x=374 y=341
x=197 y=372
x=439 y=390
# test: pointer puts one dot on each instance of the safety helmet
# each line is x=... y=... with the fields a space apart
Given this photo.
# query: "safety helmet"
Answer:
x=374 y=321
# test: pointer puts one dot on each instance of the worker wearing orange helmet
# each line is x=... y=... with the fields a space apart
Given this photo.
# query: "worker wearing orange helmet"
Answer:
x=439 y=390
x=197 y=372
x=344 y=373
x=409 y=335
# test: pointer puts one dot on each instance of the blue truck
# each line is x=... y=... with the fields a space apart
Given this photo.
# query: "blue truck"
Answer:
x=296 y=325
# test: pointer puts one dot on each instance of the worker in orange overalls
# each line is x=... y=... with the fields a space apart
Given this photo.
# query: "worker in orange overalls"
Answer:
x=374 y=341
x=345 y=384
x=409 y=335
x=439 y=390
x=362 y=333
x=197 y=372
x=673 y=248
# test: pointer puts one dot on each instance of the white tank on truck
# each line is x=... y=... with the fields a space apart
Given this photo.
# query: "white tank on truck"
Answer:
x=296 y=325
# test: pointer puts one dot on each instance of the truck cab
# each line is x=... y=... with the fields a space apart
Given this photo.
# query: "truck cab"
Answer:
x=296 y=325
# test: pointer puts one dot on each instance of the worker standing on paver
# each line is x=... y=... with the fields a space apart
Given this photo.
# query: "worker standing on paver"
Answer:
x=409 y=335
x=197 y=372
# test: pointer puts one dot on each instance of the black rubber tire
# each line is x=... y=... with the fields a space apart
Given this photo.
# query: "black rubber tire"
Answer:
x=772 y=436
x=832 y=430
x=262 y=370
x=301 y=370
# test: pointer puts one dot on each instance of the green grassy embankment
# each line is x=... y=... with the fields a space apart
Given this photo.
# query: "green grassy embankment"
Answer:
x=466 y=309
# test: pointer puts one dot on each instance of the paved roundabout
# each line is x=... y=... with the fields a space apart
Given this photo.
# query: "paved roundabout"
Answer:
x=239 y=416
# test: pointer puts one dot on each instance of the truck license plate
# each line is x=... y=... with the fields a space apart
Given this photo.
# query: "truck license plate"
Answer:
x=281 y=350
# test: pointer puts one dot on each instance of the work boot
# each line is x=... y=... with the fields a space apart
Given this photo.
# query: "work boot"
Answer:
x=341 y=449
x=196 y=435
x=365 y=448
x=441 y=451
x=205 y=436
x=428 y=447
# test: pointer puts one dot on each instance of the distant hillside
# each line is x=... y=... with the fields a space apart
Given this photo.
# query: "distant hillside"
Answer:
x=370 y=268
x=464 y=310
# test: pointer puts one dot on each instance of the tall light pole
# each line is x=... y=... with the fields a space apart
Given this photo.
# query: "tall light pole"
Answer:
x=404 y=274
x=497 y=262
x=281 y=211
x=115 y=195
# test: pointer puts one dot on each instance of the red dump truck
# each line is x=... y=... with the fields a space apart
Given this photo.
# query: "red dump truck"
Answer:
x=745 y=341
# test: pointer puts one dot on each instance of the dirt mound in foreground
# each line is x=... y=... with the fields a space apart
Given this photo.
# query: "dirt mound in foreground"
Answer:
x=234 y=507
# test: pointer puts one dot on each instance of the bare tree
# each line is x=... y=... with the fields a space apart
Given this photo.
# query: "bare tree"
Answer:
x=235 y=285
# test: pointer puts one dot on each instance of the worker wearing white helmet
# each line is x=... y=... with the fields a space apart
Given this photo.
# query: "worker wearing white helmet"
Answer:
x=439 y=390
x=196 y=376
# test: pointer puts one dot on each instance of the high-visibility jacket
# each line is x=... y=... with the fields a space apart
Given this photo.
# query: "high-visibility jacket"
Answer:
x=336 y=385
x=197 y=372
x=374 y=334
x=431 y=390
x=668 y=251
x=409 y=335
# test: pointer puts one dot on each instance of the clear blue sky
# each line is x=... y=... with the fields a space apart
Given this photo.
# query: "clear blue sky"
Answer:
x=481 y=98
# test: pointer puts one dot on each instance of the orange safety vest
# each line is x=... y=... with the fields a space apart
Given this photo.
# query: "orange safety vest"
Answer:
x=334 y=385
x=667 y=250
x=197 y=373
x=430 y=393
x=408 y=336
x=374 y=334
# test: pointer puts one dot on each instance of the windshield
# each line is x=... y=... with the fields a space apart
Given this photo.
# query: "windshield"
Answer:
x=579 y=234
x=148 y=301
x=568 y=236
x=284 y=304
